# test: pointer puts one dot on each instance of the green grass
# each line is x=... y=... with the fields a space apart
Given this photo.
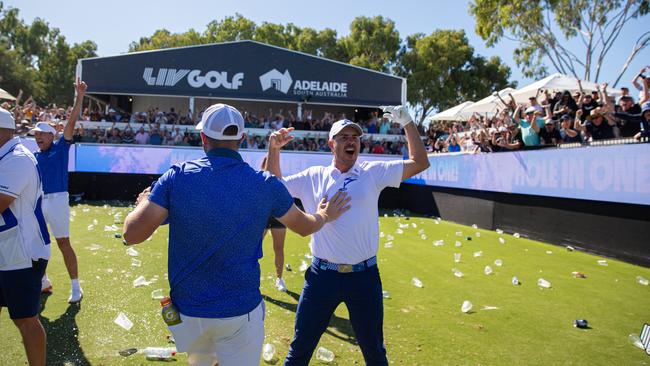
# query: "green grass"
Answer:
x=423 y=326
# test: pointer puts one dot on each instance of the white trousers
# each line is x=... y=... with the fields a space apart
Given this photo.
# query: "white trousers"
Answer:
x=56 y=209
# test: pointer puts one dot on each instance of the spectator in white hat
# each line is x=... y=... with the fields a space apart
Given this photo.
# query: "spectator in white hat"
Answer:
x=344 y=267
x=217 y=208
x=530 y=126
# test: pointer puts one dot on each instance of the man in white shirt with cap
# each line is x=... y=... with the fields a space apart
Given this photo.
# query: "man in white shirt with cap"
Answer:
x=24 y=240
x=53 y=162
x=344 y=267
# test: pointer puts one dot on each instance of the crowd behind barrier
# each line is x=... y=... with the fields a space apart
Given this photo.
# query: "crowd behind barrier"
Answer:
x=555 y=119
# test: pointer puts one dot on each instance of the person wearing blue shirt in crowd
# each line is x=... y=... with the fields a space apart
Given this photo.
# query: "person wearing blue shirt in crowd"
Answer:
x=530 y=126
x=53 y=162
x=217 y=208
x=24 y=240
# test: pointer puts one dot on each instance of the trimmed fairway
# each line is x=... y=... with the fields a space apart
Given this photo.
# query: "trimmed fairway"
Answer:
x=422 y=326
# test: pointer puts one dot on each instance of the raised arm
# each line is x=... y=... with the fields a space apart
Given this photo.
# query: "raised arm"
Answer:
x=638 y=76
x=646 y=93
x=418 y=160
x=577 y=124
x=277 y=140
x=80 y=88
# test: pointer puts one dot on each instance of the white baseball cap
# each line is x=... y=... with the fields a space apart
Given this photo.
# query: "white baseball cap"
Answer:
x=531 y=109
x=44 y=127
x=217 y=118
x=6 y=119
x=341 y=124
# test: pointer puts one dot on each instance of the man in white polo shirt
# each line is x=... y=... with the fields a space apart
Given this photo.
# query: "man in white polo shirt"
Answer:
x=344 y=267
x=24 y=240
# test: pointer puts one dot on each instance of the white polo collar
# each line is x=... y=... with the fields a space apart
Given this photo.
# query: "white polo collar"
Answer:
x=354 y=171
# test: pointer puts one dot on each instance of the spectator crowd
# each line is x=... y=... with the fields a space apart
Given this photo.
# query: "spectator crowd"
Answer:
x=548 y=119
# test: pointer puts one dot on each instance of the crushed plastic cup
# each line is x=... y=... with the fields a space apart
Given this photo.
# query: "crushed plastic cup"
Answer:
x=499 y=231
x=385 y=294
x=502 y=240
x=303 y=266
x=543 y=283
x=388 y=244
x=110 y=228
x=439 y=243
x=136 y=262
x=498 y=262
x=478 y=254
x=457 y=273
x=141 y=281
x=95 y=222
x=459 y=233
x=458 y=244
x=515 y=281
x=399 y=231
x=478 y=235
x=602 y=262
x=456 y=257
x=466 y=307
x=570 y=248
x=488 y=307
x=487 y=270
x=390 y=237
x=123 y=321
x=324 y=355
x=549 y=252
x=636 y=341
x=642 y=280
x=268 y=352
x=85 y=209
x=421 y=231
x=132 y=252
x=157 y=294
x=93 y=247
x=474 y=226
x=423 y=237
x=91 y=227
x=516 y=235
x=414 y=225
x=416 y=282
x=381 y=234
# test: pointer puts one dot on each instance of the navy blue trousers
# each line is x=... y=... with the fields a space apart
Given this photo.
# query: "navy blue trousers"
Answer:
x=324 y=290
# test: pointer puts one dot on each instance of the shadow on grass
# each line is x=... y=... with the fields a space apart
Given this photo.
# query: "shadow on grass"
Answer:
x=63 y=347
x=342 y=325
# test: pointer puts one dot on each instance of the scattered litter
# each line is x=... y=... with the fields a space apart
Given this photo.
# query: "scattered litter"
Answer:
x=515 y=281
x=85 y=210
x=110 y=228
x=581 y=323
x=385 y=294
x=439 y=243
x=642 y=280
x=159 y=353
x=136 y=262
x=487 y=270
x=516 y=235
x=416 y=282
x=93 y=247
x=141 y=281
x=478 y=254
x=437 y=222
x=603 y=263
x=390 y=237
x=577 y=274
x=308 y=256
x=459 y=233
x=543 y=283
x=268 y=352
x=287 y=267
x=399 y=231
x=499 y=231
x=456 y=257
x=157 y=294
x=498 y=262
x=488 y=307
x=502 y=240
x=414 y=225
x=95 y=222
x=90 y=227
x=457 y=273
x=466 y=307
x=303 y=266
x=458 y=244
x=423 y=237
x=570 y=248
x=421 y=231
x=381 y=234
x=123 y=321
x=549 y=252
x=324 y=355
x=132 y=252
x=636 y=341
x=128 y=352
x=474 y=226
x=478 y=235
x=388 y=244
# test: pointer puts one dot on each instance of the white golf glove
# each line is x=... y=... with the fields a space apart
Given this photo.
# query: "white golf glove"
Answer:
x=397 y=114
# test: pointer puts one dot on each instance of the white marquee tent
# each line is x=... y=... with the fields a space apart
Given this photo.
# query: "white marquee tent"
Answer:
x=488 y=105
x=452 y=114
x=556 y=82
x=5 y=95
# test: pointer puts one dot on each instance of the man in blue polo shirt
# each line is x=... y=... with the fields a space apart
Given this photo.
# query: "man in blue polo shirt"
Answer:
x=217 y=208
x=24 y=240
x=53 y=162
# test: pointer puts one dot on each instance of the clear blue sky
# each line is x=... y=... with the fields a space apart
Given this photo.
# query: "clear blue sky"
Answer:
x=112 y=25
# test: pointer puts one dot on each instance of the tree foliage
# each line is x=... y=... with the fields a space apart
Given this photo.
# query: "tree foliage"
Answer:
x=37 y=59
x=442 y=71
x=542 y=28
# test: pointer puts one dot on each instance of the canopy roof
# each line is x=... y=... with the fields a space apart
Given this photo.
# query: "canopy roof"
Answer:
x=453 y=113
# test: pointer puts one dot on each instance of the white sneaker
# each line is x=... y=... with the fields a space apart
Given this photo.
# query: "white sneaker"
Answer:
x=279 y=284
x=76 y=294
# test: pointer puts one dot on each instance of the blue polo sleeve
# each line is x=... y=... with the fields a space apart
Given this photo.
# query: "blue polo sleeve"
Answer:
x=161 y=189
x=281 y=199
